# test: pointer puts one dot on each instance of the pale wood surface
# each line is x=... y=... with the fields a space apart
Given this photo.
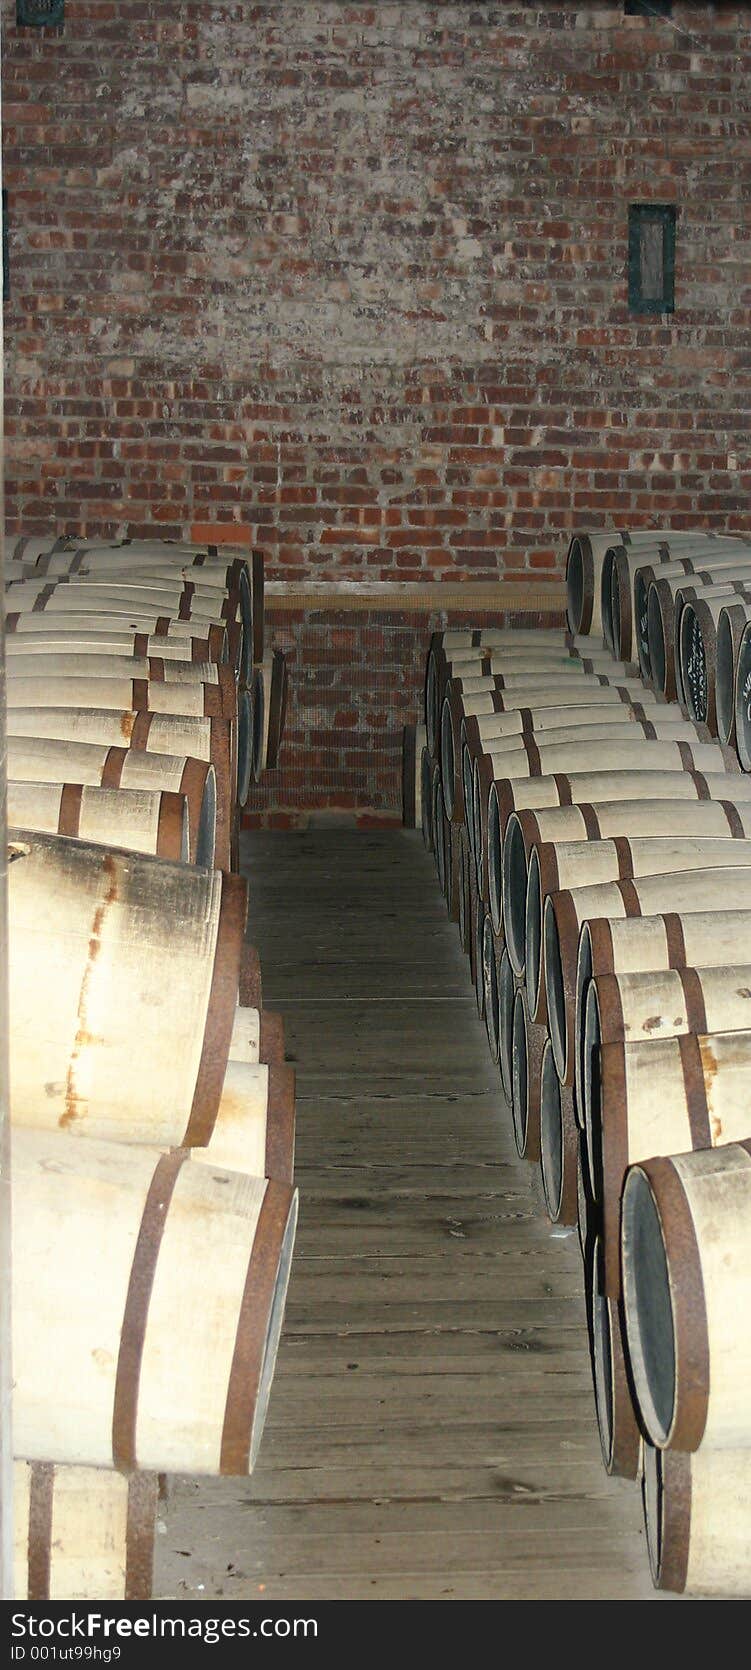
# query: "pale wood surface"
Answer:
x=431 y=1432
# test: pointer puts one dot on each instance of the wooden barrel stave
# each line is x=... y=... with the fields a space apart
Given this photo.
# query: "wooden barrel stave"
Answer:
x=82 y=1533
x=138 y=820
x=123 y=983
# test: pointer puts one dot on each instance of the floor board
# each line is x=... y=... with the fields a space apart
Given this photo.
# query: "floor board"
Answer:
x=431 y=1433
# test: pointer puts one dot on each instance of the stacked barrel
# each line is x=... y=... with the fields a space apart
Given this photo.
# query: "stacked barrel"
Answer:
x=152 y=1111
x=586 y=798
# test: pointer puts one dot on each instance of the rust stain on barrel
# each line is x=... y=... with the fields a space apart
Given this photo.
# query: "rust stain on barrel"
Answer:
x=84 y=1037
x=127 y=721
x=709 y=1064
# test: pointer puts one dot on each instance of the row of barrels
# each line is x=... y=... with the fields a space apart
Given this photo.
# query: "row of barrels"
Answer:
x=680 y=607
x=593 y=841
x=152 y=1110
x=140 y=667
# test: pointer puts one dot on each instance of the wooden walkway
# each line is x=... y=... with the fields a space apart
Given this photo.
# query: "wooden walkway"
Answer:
x=431 y=1432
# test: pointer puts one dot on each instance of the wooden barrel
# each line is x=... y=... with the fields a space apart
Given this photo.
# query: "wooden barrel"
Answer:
x=269 y=710
x=743 y=699
x=637 y=944
x=209 y=740
x=671 y=727
x=186 y=602
x=732 y=621
x=426 y=798
x=624 y=596
x=447 y=882
x=257 y=1035
x=681 y=894
x=584 y=561
x=155 y=561
x=143 y=1378
x=570 y=691
x=139 y=695
x=697 y=1518
x=123 y=979
x=507 y=989
x=27 y=548
x=656 y=1003
x=527 y=1047
x=516 y=671
x=254 y=1129
x=40 y=760
x=436 y=807
x=473 y=929
x=559 y=1142
x=141 y=617
x=279 y=693
x=624 y=1008
x=544 y=758
x=127 y=568
x=459 y=711
x=261 y=717
x=82 y=1533
x=147 y=634
x=620 y=1438
x=102 y=641
x=478 y=972
x=489 y=766
x=661 y=1096
x=453 y=870
x=490 y=956
x=439 y=831
x=576 y=864
x=724 y=554
x=569 y=827
x=465 y=898
x=587 y=1211
x=480 y=733
x=659 y=665
x=583 y=788
x=695 y=643
x=686 y=1277
x=68 y=665
x=136 y=696
x=441 y=656
x=476 y=815
x=697 y=621
x=206 y=589
x=140 y=820
x=227 y=567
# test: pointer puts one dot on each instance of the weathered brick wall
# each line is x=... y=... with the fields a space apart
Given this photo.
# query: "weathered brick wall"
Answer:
x=355 y=681
x=352 y=278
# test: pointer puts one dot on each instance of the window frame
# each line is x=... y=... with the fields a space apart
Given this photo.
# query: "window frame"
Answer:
x=27 y=17
x=639 y=215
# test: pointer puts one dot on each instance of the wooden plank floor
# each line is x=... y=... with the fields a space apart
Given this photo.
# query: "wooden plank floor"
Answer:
x=431 y=1431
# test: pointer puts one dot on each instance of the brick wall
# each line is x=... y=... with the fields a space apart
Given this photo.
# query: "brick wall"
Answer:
x=352 y=278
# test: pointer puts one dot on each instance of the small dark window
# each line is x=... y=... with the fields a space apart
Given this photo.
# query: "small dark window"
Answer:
x=651 y=257
x=40 y=14
x=647 y=8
